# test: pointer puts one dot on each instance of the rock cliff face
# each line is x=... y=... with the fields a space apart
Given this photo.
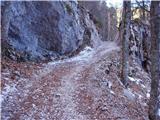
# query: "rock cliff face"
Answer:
x=47 y=28
x=140 y=43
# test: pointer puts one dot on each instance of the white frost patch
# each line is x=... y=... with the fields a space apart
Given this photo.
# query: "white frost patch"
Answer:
x=111 y=92
x=148 y=95
x=6 y=73
x=144 y=104
x=138 y=81
x=56 y=62
x=128 y=93
x=143 y=86
x=87 y=53
x=84 y=55
x=131 y=79
x=135 y=80
x=109 y=84
x=86 y=49
x=8 y=89
x=6 y=78
x=140 y=96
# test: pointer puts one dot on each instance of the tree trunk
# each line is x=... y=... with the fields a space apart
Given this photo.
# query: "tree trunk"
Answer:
x=5 y=12
x=143 y=11
x=154 y=103
x=109 y=26
x=125 y=39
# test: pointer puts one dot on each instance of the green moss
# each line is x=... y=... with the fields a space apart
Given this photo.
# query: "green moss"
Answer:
x=69 y=9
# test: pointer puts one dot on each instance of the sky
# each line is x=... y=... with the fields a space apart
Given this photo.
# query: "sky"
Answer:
x=115 y=3
x=118 y=3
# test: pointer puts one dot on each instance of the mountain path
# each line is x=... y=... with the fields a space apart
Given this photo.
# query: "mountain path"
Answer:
x=53 y=92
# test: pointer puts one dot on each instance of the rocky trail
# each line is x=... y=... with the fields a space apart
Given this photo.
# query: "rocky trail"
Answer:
x=71 y=89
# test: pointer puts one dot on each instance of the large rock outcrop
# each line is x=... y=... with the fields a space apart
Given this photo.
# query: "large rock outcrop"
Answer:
x=46 y=28
x=140 y=43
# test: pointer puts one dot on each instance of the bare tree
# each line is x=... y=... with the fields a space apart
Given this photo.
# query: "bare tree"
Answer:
x=5 y=12
x=126 y=20
x=154 y=103
x=5 y=20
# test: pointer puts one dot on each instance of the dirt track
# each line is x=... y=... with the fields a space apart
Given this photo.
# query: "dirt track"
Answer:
x=63 y=90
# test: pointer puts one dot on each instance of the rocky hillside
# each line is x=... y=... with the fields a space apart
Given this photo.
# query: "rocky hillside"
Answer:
x=140 y=43
x=40 y=30
x=84 y=87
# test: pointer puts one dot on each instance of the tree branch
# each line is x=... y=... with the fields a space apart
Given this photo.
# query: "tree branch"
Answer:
x=142 y=7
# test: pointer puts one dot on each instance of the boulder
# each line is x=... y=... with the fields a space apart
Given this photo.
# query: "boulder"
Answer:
x=46 y=28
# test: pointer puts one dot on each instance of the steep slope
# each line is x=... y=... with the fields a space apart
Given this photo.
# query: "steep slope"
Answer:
x=43 y=29
x=139 y=43
x=85 y=87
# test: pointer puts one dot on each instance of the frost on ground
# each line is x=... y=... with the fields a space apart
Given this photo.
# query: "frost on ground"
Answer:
x=84 y=55
x=84 y=87
x=7 y=90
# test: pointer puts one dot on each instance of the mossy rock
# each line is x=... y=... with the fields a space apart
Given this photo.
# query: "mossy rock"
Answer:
x=69 y=9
